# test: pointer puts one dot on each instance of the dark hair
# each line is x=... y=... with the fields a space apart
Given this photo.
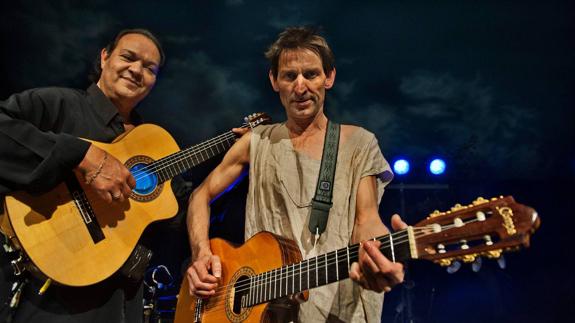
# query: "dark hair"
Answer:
x=301 y=38
x=97 y=69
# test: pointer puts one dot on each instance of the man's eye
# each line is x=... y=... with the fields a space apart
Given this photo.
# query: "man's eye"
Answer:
x=310 y=75
x=290 y=76
x=152 y=69
x=127 y=58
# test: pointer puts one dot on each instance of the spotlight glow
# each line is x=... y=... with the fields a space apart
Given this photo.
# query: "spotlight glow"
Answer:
x=437 y=166
x=401 y=167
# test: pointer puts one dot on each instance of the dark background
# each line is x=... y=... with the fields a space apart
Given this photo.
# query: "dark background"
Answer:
x=487 y=85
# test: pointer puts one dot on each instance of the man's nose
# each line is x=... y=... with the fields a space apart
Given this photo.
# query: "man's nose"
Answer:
x=300 y=85
x=136 y=68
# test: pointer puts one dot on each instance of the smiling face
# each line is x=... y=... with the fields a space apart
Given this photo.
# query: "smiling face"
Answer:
x=301 y=83
x=129 y=71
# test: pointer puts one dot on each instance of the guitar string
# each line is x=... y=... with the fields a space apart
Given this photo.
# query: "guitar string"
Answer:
x=317 y=265
x=181 y=156
x=186 y=153
x=215 y=301
x=218 y=306
x=398 y=236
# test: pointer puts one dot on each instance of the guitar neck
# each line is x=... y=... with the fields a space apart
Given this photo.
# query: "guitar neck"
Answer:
x=320 y=270
x=183 y=160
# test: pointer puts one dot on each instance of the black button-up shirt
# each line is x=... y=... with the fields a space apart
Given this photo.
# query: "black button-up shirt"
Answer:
x=40 y=131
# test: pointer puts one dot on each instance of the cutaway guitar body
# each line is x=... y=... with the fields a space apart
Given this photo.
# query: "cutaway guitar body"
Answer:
x=75 y=238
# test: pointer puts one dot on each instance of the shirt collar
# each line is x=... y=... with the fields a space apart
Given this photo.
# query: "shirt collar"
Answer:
x=105 y=109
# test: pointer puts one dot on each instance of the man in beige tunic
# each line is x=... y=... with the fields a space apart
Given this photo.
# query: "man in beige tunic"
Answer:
x=284 y=161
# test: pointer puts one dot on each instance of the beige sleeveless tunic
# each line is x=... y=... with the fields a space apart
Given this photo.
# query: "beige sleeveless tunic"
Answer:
x=282 y=185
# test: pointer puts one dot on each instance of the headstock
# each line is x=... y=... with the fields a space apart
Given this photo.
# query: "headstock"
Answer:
x=484 y=228
x=255 y=119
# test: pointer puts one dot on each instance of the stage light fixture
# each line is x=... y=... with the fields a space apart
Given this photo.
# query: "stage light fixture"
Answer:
x=401 y=167
x=437 y=166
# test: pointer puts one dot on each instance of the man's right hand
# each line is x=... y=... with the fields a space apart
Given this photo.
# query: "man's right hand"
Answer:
x=204 y=275
x=106 y=175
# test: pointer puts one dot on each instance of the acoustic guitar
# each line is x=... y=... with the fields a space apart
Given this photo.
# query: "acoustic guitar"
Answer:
x=269 y=268
x=75 y=238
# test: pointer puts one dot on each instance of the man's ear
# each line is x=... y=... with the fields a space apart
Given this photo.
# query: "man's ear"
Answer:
x=103 y=57
x=273 y=81
x=330 y=80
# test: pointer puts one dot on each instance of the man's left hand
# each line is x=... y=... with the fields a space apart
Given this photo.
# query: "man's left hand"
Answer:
x=373 y=270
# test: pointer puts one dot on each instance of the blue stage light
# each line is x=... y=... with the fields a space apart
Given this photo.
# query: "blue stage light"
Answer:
x=401 y=167
x=437 y=166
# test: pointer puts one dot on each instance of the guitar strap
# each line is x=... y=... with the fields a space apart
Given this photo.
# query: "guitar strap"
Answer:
x=321 y=202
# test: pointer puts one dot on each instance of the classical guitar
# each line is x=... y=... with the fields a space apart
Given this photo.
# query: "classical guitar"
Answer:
x=251 y=281
x=74 y=238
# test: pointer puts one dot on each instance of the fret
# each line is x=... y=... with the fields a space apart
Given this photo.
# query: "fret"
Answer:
x=270 y=283
x=326 y=280
x=257 y=287
x=347 y=250
x=259 y=292
x=250 y=293
x=161 y=176
x=265 y=286
x=264 y=282
x=333 y=275
x=300 y=275
x=309 y=272
x=287 y=279
x=391 y=246
x=316 y=275
x=280 y=295
x=293 y=279
x=336 y=267
x=275 y=283
x=181 y=166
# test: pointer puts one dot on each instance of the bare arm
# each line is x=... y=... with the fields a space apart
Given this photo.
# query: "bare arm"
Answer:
x=205 y=270
x=374 y=271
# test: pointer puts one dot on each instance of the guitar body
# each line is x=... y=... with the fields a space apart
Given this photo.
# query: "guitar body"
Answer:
x=263 y=252
x=53 y=232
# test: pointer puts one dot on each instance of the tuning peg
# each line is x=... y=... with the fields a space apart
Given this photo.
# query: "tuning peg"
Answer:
x=441 y=248
x=480 y=216
x=502 y=262
x=476 y=265
x=488 y=240
x=457 y=222
x=464 y=245
x=454 y=267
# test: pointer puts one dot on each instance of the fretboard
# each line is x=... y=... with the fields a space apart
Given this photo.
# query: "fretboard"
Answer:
x=183 y=160
x=317 y=271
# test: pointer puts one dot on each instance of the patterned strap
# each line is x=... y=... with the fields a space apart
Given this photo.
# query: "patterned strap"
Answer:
x=321 y=202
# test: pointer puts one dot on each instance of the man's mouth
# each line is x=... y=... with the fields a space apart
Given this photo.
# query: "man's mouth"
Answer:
x=302 y=100
x=132 y=81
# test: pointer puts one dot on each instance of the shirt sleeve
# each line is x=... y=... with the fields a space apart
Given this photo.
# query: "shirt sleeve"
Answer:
x=370 y=162
x=33 y=155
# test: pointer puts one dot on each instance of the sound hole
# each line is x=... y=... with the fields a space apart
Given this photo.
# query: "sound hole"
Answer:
x=242 y=289
x=146 y=179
